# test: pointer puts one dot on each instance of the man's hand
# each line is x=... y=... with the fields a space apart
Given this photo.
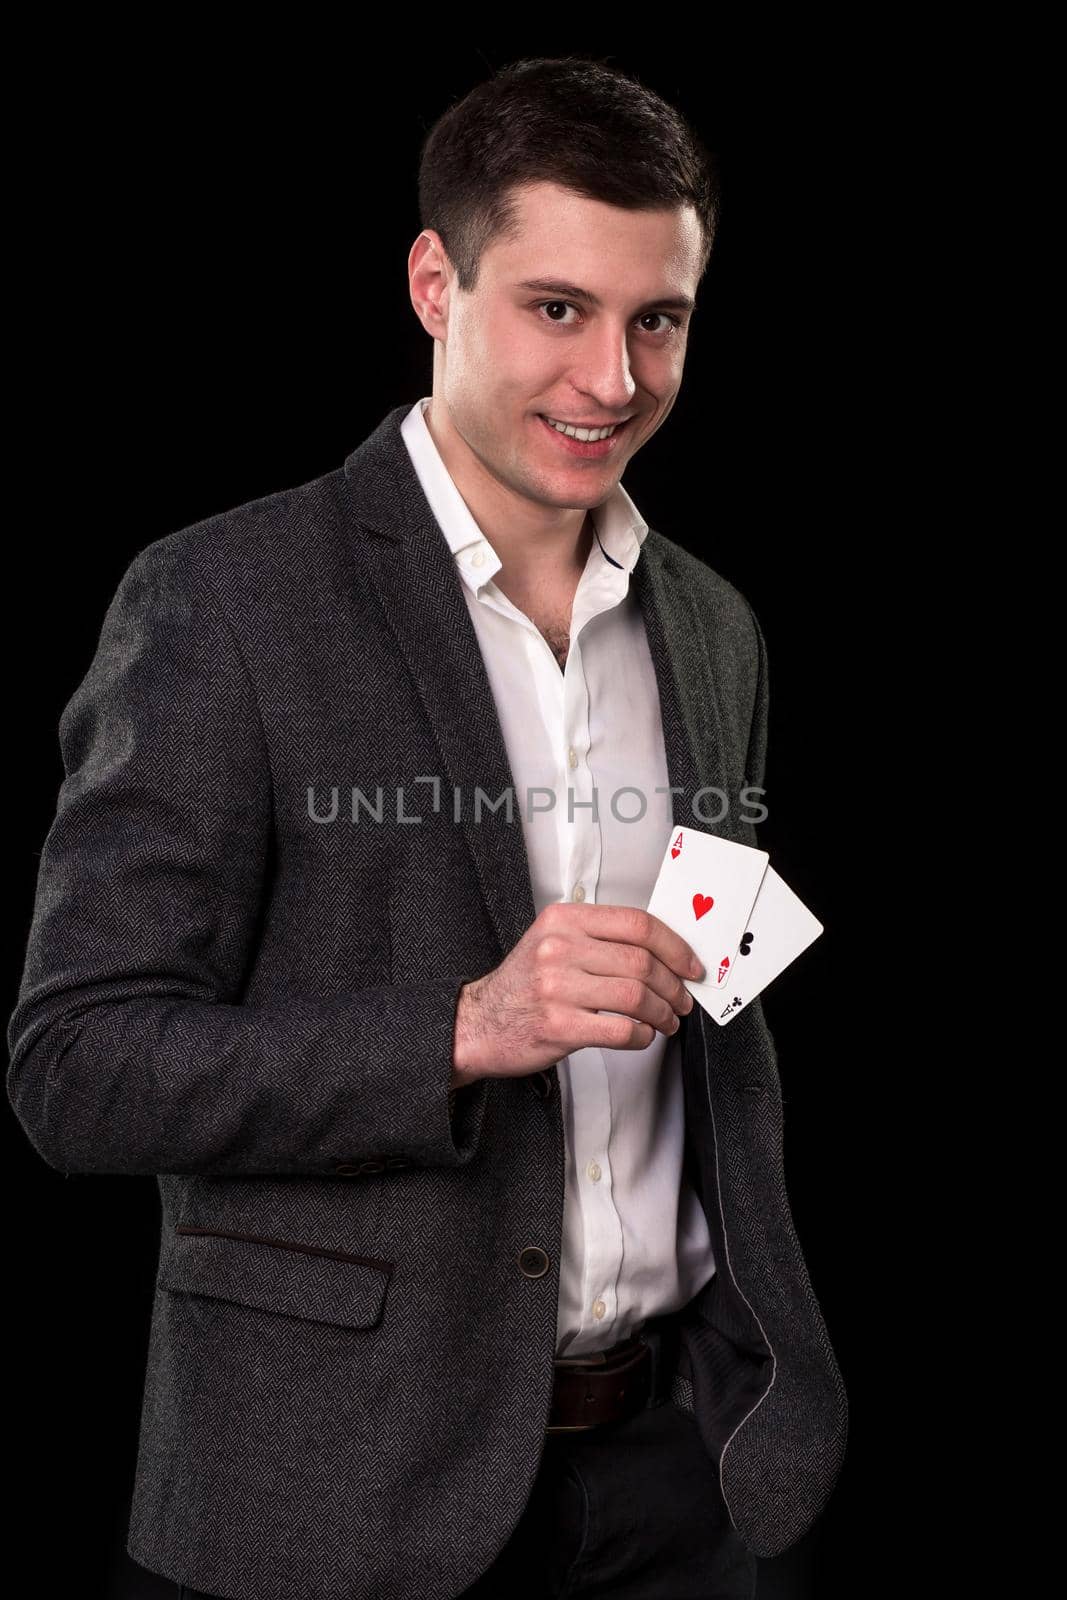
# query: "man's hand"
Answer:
x=552 y=993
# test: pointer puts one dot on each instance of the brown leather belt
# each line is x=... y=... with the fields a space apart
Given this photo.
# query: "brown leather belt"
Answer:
x=604 y=1386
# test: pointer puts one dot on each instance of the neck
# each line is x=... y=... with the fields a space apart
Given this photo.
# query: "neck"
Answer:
x=540 y=546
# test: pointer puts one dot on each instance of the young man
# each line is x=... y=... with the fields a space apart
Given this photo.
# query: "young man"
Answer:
x=477 y=1273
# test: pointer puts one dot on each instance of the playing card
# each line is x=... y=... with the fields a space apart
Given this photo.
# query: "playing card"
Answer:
x=779 y=928
x=705 y=891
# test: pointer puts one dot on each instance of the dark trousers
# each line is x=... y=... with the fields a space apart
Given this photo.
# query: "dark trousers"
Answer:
x=629 y=1511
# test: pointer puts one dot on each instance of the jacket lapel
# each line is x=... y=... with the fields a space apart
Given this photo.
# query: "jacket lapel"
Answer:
x=693 y=728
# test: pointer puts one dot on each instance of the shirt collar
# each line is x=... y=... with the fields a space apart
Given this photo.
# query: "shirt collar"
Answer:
x=619 y=528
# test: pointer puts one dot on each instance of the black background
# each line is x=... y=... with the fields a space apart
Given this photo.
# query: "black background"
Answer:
x=220 y=310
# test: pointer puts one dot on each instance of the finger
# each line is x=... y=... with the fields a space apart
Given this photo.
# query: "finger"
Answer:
x=630 y=997
x=633 y=961
x=608 y=1031
x=631 y=925
x=673 y=949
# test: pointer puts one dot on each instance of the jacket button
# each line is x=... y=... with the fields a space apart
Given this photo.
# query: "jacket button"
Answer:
x=372 y=1166
x=541 y=1083
x=533 y=1263
x=396 y=1162
x=345 y=1167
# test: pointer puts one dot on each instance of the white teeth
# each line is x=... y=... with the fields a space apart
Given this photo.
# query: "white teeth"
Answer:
x=582 y=433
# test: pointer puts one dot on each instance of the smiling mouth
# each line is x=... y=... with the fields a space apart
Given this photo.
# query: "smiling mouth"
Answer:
x=585 y=435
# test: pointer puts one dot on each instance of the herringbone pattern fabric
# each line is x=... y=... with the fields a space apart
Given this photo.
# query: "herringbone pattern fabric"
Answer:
x=348 y=1373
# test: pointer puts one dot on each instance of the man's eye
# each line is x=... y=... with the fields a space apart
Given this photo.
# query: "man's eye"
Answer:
x=556 y=304
x=672 y=322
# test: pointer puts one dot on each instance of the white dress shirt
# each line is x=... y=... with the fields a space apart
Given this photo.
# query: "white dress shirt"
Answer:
x=635 y=1238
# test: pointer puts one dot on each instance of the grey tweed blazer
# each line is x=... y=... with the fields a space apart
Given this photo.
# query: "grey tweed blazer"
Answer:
x=351 y=1352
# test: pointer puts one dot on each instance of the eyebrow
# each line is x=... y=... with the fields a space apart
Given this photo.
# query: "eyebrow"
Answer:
x=570 y=291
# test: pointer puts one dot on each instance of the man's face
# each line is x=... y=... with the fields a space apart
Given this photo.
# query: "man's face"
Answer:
x=515 y=355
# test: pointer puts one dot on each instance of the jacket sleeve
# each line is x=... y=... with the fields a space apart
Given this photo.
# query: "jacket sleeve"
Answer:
x=130 y=1050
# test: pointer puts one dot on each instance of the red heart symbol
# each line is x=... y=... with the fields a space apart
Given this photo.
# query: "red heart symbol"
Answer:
x=702 y=903
x=676 y=850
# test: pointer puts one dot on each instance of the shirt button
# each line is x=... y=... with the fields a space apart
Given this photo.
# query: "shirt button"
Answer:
x=593 y=1170
x=599 y=1308
x=478 y=558
x=579 y=892
x=572 y=756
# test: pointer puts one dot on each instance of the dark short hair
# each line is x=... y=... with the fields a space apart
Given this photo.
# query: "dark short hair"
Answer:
x=570 y=120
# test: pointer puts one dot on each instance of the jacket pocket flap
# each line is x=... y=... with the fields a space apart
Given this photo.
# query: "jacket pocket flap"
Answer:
x=294 y=1280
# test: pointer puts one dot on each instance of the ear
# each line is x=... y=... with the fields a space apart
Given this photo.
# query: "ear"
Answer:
x=429 y=282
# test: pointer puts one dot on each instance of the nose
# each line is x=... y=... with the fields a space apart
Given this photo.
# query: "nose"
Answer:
x=602 y=370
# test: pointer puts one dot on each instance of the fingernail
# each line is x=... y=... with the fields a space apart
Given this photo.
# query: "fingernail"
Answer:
x=696 y=969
